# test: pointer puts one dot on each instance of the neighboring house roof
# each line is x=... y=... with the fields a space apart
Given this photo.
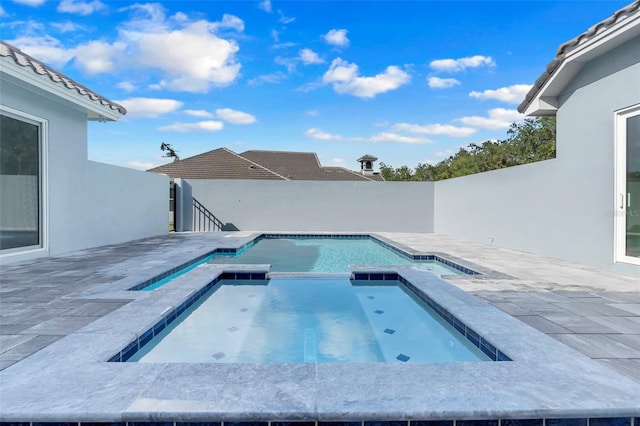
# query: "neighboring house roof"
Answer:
x=220 y=163
x=574 y=54
x=25 y=68
x=223 y=163
x=300 y=166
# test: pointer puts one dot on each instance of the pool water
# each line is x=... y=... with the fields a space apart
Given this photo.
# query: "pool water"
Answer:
x=325 y=255
x=308 y=320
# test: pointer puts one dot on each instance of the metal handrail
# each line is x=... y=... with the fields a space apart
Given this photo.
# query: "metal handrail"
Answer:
x=204 y=220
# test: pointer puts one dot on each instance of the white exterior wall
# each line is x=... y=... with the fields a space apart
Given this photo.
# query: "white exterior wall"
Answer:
x=562 y=207
x=89 y=204
x=260 y=205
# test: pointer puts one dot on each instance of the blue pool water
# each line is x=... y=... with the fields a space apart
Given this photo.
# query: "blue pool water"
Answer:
x=325 y=255
x=309 y=320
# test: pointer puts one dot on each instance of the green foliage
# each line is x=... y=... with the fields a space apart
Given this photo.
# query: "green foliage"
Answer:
x=530 y=141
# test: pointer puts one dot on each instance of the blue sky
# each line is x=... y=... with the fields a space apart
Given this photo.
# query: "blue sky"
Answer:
x=409 y=82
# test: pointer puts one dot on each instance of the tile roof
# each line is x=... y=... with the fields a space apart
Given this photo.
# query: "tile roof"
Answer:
x=570 y=45
x=300 y=166
x=23 y=60
x=223 y=163
x=220 y=163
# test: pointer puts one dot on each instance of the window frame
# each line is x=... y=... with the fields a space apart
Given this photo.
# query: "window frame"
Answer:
x=620 y=197
x=43 y=183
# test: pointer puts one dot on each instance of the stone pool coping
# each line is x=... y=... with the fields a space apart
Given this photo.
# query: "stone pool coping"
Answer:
x=70 y=380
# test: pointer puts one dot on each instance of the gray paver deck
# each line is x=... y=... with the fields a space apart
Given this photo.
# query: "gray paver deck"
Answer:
x=594 y=311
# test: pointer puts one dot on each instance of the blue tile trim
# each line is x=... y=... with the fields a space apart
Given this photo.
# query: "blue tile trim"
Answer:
x=431 y=423
x=477 y=423
x=566 y=422
x=522 y=422
x=150 y=424
x=611 y=421
x=339 y=423
x=103 y=424
x=198 y=423
x=480 y=342
x=246 y=423
x=293 y=423
x=595 y=421
x=387 y=423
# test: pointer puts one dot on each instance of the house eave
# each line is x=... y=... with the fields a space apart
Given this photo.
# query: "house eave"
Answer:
x=94 y=109
x=573 y=56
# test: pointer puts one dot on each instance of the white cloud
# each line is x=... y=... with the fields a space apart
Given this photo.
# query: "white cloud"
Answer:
x=313 y=113
x=2 y=11
x=149 y=107
x=194 y=59
x=435 y=129
x=322 y=135
x=308 y=57
x=344 y=78
x=198 y=113
x=265 y=5
x=337 y=37
x=30 y=2
x=442 y=83
x=206 y=126
x=512 y=94
x=47 y=49
x=97 y=57
x=140 y=165
x=66 y=27
x=80 y=7
x=286 y=19
x=230 y=21
x=499 y=118
x=235 y=117
x=127 y=86
x=461 y=64
x=381 y=137
x=274 y=78
x=394 y=137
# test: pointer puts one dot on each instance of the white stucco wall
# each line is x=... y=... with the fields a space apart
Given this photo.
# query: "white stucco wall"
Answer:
x=318 y=206
x=561 y=207
x=89 y=204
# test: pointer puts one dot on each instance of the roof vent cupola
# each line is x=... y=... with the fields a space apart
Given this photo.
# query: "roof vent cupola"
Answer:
x=366 y=164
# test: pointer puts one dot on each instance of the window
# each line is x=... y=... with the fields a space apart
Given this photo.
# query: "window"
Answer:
x=21 y=182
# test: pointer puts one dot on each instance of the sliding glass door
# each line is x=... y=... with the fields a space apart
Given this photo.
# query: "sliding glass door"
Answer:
x=628 y=186
x=20 y=183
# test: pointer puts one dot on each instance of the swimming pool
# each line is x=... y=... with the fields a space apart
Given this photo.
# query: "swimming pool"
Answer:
x=327 y=253
x=306 y=319
x=314 y=254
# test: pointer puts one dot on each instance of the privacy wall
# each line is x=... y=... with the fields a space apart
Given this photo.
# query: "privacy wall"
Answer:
x=261 y=205
x=563 y=207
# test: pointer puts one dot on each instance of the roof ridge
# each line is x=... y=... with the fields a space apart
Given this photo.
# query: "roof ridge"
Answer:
x=28 y=61
x=350 y=171
x=595 y=29
x=565 y=48
x=256 y=164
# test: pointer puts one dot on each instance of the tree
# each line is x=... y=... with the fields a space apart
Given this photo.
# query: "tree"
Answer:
x=532 y=140
x=170 y=152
